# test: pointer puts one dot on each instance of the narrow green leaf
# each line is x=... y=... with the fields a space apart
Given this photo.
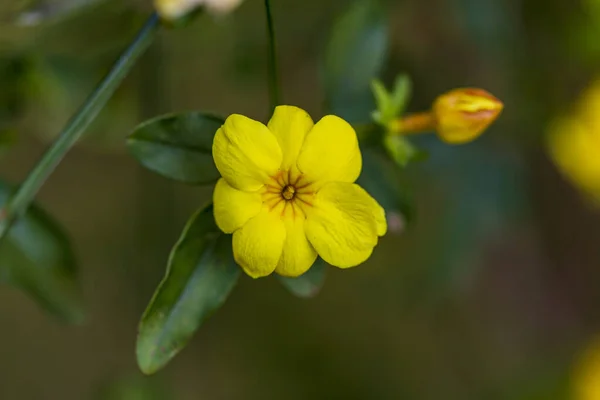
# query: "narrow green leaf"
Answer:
x=309 y=284
x=354 y=56
x=400 y=95
x=200 y=275
x=178 y=146
x=380 y=178
x=383 y=102
x=37 y=257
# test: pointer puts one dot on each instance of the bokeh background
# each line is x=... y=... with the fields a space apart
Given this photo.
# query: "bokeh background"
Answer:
x=491 y=291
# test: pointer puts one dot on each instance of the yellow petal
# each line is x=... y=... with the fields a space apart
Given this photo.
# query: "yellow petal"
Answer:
x=298 y=254
x=330 y=152
x=290 y=125
x=343 y=224
x=232 y=207
x=257 y=246
x=246 y=153
x=378 y=215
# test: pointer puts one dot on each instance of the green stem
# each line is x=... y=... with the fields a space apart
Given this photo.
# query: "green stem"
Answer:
x=18 y=204
x=274 y=92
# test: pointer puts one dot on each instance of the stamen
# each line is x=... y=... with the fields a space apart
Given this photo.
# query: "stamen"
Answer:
x=288 y=192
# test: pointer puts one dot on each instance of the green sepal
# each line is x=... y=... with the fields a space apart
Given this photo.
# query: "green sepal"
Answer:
x=402 y=151
x=391 y=105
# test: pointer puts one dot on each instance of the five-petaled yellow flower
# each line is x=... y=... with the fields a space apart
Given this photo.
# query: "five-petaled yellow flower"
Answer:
x=287 y=193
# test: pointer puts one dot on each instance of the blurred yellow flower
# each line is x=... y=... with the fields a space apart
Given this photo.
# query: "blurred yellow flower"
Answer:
x=586 y=376
x=461 y=115
x=574 y=143
x=287 y=193
x=174 y=9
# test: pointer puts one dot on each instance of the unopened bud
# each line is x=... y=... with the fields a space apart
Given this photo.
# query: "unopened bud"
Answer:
x=175 y=9
x=463 y=114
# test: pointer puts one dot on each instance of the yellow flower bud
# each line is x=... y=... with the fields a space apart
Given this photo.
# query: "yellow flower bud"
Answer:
x=174 y=9
x=463 y=114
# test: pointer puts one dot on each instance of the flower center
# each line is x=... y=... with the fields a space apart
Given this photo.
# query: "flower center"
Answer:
x=288 y=192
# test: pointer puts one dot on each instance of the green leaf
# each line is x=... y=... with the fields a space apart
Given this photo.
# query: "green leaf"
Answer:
x=178 y=146
x=133 y=388
x=200 y=275
x=37 y=257
x=402 y=150
x=309 y=284
x=354 y=56
x=380 y=178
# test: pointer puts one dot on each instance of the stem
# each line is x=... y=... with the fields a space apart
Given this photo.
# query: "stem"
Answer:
x=413 y=124
x=19 y=202
x=274 y=92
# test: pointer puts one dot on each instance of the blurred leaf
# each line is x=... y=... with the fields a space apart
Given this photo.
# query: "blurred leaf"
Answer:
x=380 y=178
x=309 y=284
x=8 y=138
x=391 y=105
x=483 y=198
x=37 y=257
x=542 y=383
x=47 y=27
x=42 y=11
x=402 y=150
x=133 y=388
x=200 y=275
x=354 y=57
x=13 y=75
x=56 y=85
x=52 y=88
x=178 y=146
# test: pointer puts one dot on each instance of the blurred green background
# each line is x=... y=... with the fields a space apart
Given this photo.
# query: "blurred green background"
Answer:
x=490 y=292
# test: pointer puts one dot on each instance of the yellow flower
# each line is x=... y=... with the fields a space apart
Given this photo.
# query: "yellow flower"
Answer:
x=287 y=193
x=174 y=9
x=461 y=115
x=586 y=374
x=574 y=143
